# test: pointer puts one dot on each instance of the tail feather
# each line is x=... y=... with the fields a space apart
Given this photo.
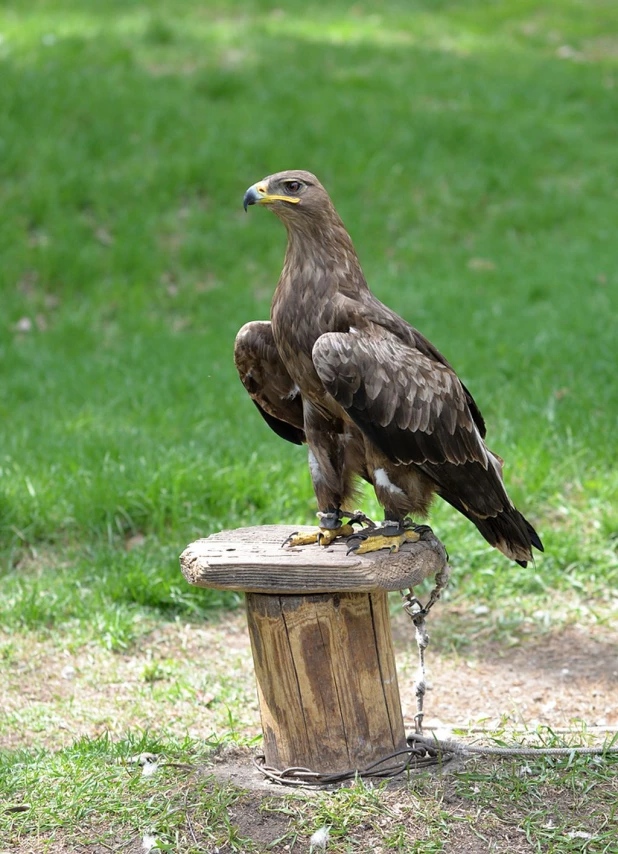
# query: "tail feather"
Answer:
x=534 y=537
x=511 y=534
x=508 y=531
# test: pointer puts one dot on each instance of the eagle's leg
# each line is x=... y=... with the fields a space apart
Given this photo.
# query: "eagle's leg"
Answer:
x=331 y=476
x=399 y=491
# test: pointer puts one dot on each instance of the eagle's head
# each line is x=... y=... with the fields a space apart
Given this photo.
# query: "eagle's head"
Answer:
x=294 y=196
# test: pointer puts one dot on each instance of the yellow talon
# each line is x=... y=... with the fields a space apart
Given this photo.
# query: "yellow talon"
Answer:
x=323 y=536
x=393 y=544
x=374 y=544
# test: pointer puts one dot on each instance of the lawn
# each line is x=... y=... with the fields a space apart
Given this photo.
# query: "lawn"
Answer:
x=471 y=150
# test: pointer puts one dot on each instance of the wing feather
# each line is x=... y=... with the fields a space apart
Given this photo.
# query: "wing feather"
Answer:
x=270 y=386
x=412 y=406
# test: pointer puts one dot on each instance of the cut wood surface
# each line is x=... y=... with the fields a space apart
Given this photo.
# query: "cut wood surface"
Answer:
x=253 y=560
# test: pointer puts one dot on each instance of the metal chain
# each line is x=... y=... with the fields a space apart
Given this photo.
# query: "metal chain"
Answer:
x=417 y=612
x=416 y=756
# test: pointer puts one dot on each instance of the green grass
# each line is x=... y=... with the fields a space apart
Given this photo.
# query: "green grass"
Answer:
x=95 y=792
x=473 y=164
x=470 y=148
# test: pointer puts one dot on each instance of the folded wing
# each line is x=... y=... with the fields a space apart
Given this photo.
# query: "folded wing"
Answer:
x=416 y=411
x=265 y=377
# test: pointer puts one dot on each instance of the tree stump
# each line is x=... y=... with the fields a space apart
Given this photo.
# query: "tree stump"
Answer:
x=321 y=639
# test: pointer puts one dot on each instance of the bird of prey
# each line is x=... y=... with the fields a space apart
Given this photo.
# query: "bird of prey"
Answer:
x=371 y=397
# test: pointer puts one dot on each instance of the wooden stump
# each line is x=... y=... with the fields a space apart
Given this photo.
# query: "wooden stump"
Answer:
x=326 y=679
x=321 y=640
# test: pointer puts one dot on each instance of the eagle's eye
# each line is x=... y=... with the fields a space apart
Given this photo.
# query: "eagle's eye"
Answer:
x=293 y=186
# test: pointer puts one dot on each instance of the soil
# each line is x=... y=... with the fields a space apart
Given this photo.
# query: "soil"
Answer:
x=557 y=679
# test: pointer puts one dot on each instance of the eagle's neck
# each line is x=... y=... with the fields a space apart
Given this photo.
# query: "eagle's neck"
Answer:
x=320 y=265
x=320 y=261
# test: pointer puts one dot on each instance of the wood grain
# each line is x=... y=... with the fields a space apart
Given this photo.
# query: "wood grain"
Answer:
x=326 y=677
x=253 y=560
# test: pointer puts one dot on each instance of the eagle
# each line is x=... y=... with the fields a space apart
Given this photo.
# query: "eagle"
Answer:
x=370 y=396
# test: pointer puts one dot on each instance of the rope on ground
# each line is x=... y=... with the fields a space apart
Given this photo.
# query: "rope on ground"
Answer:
x=421 y=753
x=460 y=749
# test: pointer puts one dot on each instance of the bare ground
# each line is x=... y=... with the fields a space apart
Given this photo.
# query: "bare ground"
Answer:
x=552 y=678
x=187 y=678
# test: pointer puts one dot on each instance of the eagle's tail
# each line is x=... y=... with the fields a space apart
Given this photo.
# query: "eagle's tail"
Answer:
x=509 y=531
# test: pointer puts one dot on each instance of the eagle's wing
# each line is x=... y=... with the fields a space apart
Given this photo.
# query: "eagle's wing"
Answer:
x=412 y=407
x=265 y=377
x=427 y=348
x=415 y=410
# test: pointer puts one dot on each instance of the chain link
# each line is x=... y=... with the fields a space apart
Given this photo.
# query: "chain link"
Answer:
x=417 y=612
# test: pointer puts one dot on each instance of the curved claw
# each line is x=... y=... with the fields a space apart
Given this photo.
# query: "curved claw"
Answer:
x=289 y=539
x=354 y=541
x=421 y=529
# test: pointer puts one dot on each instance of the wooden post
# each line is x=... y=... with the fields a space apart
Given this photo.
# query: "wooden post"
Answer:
x=321 y=640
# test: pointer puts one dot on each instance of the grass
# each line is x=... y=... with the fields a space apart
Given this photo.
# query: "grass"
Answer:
x=128 y=253
x=470 y=148
x=99 y=786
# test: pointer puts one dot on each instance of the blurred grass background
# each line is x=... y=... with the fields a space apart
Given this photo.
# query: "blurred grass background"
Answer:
x=471 y=149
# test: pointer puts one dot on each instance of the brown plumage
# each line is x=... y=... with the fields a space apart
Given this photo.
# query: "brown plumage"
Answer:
x=368 y=393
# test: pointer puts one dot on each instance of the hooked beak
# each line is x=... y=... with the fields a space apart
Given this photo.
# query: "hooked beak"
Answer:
x=258 y=195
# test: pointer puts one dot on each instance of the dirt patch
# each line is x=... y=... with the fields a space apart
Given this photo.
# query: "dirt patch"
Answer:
x=181 y=679
x=484 y=836
x=262 y=828
x=68 y=845
x=198 y=679
x=553 y=678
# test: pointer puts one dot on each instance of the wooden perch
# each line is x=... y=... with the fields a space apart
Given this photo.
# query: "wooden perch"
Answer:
x=253 y=560
x=321 y=640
